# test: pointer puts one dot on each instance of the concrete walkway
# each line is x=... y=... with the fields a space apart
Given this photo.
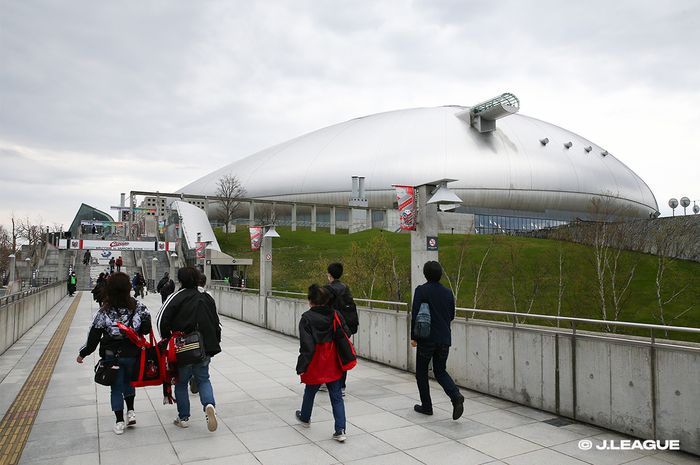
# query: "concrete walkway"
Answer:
x=257 y=392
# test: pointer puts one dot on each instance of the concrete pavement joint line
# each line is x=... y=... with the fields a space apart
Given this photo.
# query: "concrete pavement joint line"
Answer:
x=19 y=418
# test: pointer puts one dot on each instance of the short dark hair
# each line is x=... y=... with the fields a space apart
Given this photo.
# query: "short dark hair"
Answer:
x=432 y=271
x=335 y=269
x=116 y=292
x=188 y=277
x=318 y=295
x=202 y=279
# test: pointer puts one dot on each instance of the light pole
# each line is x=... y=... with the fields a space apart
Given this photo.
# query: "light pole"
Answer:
x=424 y=239
x=153 y=274
x=11 y=278
x=29 y=271
x=173 y=269
x=266 y=260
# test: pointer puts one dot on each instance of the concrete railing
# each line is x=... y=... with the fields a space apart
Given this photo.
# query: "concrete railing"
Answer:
x=643 y=387
x=20 y=311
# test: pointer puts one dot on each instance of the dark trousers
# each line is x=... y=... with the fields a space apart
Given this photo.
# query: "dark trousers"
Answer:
x=438 y=353
x=337 y=404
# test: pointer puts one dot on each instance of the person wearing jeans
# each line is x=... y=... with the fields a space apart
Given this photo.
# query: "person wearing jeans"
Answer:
x=185 y=311
x=200 y=372
x=436 y=346
x=318 y=362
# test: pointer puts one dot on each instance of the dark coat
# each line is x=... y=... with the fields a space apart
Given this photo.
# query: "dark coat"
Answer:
x=342 y=301
x=442 y=311
x=188 y=310
x=316 y=329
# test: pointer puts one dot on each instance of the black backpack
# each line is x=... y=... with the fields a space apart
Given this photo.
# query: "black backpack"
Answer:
x=343 y=303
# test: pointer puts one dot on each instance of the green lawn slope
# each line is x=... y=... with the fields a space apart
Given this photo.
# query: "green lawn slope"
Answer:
x=527 y=275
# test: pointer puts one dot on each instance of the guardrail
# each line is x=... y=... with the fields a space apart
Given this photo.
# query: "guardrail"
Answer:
x=7 y=299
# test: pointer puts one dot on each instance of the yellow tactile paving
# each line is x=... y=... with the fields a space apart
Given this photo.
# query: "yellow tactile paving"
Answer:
x=19 y=418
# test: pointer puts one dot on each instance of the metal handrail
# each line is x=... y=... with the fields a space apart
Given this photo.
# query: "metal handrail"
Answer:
x=388 y=302
x=5 y=300
x=583 y=320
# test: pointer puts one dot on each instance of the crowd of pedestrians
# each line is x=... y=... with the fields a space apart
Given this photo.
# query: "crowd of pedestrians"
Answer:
x=332 y=311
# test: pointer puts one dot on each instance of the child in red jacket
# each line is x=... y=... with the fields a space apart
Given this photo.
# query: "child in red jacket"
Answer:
x=318 y=360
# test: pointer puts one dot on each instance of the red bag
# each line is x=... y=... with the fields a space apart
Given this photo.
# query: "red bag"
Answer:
x=151 y=369
x=345 y=350
x=324 y=366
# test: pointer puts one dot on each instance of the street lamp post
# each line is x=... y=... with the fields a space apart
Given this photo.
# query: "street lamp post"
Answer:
x=11 y=278
x=266 y=260
x=27 y=261
x=173 y=269
x=153 y=274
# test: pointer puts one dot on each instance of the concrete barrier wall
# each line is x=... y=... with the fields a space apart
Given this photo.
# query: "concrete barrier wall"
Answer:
x=18 y=316
x=623 y=384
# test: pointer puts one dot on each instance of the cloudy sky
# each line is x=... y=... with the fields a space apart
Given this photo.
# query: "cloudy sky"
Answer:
x=98 y=98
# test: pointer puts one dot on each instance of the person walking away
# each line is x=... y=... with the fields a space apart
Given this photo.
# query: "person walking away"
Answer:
x=87 y=257
x=436 y=346
x=185 y=311
x=316 y=364
x=111 y=265
x=119 y=262
x=166 y=286
x=342 y=301
x=98 y=290
x=194 y=389
x=72 y=283
x=138 y=284
x=119 y=307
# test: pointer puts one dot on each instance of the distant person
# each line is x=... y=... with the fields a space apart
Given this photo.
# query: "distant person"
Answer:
x=98 y=290
x=436 y=346
x=72 y=283
x=138 y=283
x=186 y=310
x=111 y=264
x=87 y=257
x=119 y=262
x=166 y=286
x=342 y=301
x=119 y=307
x=315 y=334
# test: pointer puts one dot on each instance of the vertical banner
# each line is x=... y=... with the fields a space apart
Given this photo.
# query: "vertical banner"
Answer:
x=199 y=248
x=256 y=233
x=405 y=196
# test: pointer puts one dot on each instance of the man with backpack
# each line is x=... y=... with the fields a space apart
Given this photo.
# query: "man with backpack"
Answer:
x=343 y=303
x=166 y=286
x=432 y=312
x=186 y=311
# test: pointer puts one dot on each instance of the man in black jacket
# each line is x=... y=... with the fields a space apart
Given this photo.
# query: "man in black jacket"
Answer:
x=186 y=311
x=436 y=346
x=166 y=286
x=342 y=301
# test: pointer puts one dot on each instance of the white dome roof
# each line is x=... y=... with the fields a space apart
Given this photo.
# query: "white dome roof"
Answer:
x=508 y=169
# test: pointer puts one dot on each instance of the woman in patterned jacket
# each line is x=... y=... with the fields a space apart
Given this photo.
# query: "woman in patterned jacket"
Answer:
x=119 y=307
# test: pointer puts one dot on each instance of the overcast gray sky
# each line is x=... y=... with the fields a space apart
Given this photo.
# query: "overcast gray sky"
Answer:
x=98 y=98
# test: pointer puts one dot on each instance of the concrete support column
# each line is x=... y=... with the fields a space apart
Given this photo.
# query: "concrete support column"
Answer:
x=294 y=217
x=153 y=283
x=206 y=205
x=426 y=225
x=173 y=266
x=313 y=218
x=333 y=220
x=265 y=266
x=11 y=278
x=369 y=218
x=251 y=214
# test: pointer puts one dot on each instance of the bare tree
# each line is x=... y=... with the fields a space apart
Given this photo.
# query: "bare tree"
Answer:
x=479 y=274
x=665 y=244
x=32 y=232
x=229 y=190
x=368 y=266
x=561 y=286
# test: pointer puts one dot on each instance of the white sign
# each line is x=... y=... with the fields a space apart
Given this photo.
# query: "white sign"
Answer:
x=80 y=244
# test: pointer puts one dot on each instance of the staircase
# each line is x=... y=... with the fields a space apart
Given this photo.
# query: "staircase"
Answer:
x=162 y=266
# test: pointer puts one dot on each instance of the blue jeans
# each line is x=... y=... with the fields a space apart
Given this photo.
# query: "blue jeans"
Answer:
x=336 y=395
x=121 y=387
x=200 y=371
x=438 y=354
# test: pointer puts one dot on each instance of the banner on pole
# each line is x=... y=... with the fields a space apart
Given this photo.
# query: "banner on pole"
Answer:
x=256 y=233
x=405 y=196
x=199 y=248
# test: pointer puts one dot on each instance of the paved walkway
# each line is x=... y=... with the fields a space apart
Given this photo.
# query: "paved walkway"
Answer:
x=257 y=392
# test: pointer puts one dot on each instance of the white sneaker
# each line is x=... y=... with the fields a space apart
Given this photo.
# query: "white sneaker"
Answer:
x=130 y=418
x=182 y=423
x=119 y=427
x=211 y=417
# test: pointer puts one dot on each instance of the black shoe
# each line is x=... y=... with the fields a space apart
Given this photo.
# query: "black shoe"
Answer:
x=457 y=407
x=339 y=435
x=425 y=411
x=304 y=423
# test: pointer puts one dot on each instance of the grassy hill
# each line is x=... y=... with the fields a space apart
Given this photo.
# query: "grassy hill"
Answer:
x=513 y=273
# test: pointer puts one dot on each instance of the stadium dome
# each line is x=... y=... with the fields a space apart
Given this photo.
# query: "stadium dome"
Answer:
x=525 y=167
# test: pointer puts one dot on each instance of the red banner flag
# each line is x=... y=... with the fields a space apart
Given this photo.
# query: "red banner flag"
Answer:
x=405 y=196
x=255 y=237
x=199 y=249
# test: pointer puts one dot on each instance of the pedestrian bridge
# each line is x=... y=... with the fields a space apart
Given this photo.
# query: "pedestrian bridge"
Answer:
x=53 y=413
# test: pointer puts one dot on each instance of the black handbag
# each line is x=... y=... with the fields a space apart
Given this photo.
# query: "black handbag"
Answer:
x=189 y=348
x=106 y=372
